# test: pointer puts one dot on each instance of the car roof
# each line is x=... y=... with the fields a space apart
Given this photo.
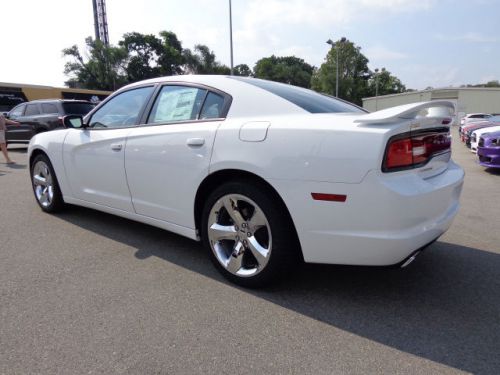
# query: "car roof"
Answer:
x=58 y=100
x=247 y=100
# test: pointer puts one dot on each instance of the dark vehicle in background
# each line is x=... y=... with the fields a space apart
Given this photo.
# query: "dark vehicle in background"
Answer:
x=42 y=115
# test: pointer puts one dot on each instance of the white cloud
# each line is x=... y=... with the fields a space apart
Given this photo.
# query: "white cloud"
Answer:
x=470 y=37
x=381 y=54
x=419 y=76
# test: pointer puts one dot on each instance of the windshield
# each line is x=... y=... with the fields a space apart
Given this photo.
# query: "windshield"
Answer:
x=308 y=100
x=494 y=119
x=77 y=108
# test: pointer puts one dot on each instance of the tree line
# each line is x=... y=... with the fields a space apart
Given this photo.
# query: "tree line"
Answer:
x=141 y=56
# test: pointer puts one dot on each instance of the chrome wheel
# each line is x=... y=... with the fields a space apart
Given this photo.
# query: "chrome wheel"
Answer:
x=239 y=235
x=43 y=183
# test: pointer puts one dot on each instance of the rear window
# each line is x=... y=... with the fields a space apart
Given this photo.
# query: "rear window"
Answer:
x=308 y=100
x=77 y=108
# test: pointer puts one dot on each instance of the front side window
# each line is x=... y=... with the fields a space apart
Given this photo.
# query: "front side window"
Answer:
x=18 y=111
x=122 y=110
x=177 y=103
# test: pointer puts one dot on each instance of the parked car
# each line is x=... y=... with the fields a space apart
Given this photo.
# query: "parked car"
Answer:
x=472 y=117
x=469 y=129
x=488 y=150
x=476 y=134
x=265 y=174
x=42 y=115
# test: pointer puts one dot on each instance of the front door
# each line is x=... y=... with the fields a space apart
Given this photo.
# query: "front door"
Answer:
x=94 y=156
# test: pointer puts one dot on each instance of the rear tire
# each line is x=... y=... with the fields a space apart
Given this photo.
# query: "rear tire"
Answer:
x=45 y=186
x=251 y=241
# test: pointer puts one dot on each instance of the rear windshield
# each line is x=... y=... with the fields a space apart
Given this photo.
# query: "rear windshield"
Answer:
x=77 y=108
x=308 y=100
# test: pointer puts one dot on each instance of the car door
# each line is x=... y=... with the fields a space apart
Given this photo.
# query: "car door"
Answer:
x=22 y=132
x=167 y=158
x=94 y=156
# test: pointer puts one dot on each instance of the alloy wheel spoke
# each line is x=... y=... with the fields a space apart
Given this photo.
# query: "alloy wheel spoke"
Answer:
x=235 y=261
x=38 y=180
x=258 y=220
x=220 y=232
x=260 y=253
x=231 y=207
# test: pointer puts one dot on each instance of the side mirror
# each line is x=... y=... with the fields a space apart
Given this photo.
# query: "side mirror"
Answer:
x=73 y=121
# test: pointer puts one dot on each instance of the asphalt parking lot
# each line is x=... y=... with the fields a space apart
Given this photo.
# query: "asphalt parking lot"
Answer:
x=86 y=292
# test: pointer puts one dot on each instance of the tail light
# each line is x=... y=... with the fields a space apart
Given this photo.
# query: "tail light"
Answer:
x=413 y=150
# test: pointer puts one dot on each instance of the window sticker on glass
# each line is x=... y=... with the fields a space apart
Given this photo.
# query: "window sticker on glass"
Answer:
x=177 y=103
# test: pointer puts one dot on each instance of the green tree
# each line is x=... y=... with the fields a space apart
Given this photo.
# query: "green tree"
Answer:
x=243 y=70
x=203 y=61
x=150 y=56
x=289 y=69
x=386 y=82
x=102 y=70
x=353 y=72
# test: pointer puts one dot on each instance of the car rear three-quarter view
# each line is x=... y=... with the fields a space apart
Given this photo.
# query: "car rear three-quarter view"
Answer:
x=265 y=174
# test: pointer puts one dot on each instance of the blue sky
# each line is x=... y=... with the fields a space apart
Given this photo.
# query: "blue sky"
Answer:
x=424 y=42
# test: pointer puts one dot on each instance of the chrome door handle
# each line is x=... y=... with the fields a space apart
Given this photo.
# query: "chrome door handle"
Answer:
x=116 y=146
x=195 y=142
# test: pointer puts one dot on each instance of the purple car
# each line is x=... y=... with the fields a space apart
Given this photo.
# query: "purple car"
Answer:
x=489 y=150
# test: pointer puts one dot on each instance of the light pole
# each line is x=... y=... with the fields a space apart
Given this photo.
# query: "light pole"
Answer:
x=330 y=42
x=231 y=35
x=376 y=89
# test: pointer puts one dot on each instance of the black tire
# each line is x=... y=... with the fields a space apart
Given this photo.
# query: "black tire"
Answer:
x=284 y=249
x=56 y=202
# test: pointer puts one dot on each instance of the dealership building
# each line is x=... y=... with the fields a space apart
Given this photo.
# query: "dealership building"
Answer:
x=466 y=99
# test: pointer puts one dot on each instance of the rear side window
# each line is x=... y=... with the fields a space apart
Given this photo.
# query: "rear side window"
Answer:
x=212 y=108
x=308 y=100
x=77 y=108
x=31 y=110
x=49 y=108
x=177 y=103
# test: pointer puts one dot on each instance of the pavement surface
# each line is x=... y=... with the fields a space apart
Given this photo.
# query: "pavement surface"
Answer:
x=83 y=292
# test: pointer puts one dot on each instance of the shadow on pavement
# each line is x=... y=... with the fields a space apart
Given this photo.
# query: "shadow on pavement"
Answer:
x=444 y=307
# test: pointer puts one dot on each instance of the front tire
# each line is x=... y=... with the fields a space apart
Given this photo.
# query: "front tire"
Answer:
x=45 y=186
x=250 y=238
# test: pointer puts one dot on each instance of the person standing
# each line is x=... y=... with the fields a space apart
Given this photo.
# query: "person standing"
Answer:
x=3 y=144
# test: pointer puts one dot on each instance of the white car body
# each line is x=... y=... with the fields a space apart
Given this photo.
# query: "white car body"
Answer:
x=152 y=174
x=474 y=117
x=476 y=134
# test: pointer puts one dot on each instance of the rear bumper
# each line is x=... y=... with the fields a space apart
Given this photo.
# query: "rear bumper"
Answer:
x=383 y=221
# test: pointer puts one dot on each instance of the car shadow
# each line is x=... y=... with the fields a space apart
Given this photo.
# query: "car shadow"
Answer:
x=494 y=171
x=444 y=307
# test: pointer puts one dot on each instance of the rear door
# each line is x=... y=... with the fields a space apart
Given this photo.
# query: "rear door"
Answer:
x=167 y=158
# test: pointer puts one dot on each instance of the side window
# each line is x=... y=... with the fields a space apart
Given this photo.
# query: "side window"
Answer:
x=212 y=108
x=32 y=109
x=49 y=108
x=123 y=110
x=177 y=103
x=18 y=111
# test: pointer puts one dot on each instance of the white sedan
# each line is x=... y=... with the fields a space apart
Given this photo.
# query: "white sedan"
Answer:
x=265 y=174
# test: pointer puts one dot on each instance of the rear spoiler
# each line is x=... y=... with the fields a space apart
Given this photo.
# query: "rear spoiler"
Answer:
x=436 y=109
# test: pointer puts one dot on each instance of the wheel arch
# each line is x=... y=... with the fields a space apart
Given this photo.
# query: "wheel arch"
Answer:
x=35 y=153
x=213 y=180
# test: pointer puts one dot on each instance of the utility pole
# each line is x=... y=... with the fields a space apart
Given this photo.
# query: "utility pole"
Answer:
x=100 y=21
x=231 y=36
x=337 y=45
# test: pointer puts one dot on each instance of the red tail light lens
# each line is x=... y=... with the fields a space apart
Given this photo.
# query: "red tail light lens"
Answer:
x=411 y=151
